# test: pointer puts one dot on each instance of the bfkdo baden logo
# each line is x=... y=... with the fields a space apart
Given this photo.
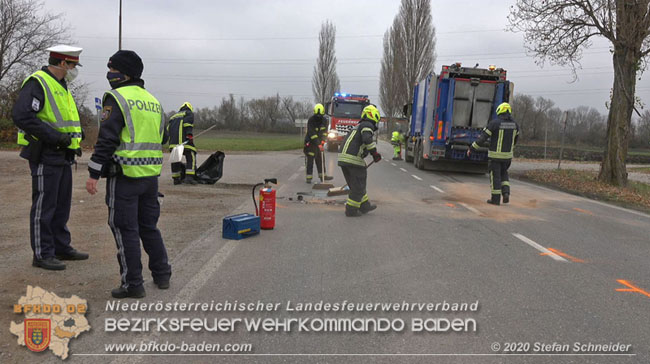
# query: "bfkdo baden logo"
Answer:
x=50 y=321
x=37 y=334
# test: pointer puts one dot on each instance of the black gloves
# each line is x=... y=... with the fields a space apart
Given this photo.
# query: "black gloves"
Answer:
x=63 y=141
x=376 y=157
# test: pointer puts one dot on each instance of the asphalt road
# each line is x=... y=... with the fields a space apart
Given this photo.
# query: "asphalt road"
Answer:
x=546 y=269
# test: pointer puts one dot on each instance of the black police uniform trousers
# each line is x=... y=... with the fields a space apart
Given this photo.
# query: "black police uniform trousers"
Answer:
x=51 y=200
x=133 y=211
x=499 y=181
x=313 y=154
x=356 y=178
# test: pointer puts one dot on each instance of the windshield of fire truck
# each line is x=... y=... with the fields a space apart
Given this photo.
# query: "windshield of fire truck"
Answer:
x=348 y=110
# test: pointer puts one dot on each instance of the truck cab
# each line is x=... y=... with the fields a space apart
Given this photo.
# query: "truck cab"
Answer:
x=344 y=111
x=448 y=113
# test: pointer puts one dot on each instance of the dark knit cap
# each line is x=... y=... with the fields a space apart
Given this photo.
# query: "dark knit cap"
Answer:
x=127 y=62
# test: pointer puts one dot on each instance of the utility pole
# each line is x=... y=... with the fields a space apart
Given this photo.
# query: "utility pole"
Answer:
x=119 y=46
x=566 y=116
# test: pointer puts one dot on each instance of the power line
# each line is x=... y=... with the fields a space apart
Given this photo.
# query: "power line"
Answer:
x=348 y=36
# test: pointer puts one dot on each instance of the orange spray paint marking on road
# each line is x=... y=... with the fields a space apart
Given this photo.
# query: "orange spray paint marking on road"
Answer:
x=450 y=205
x=583 y=211
x=632 y=288
x=564 y=255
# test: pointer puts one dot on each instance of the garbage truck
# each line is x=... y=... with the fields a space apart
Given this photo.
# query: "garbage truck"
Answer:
x=448 y=113
x=344 y=112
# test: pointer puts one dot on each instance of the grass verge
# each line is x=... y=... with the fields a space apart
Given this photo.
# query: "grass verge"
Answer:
x=645 y=170
x=584 y=183
x=248 y=142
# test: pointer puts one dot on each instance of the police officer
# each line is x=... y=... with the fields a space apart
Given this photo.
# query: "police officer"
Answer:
x=50 y=133
x=314 y=141
x=180 y=130
x=502 y=133
x=129 y=153
x=357 y=144
x=396 y=140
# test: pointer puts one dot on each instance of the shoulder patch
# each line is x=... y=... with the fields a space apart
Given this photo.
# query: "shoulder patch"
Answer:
x=36 y=105
x=106 y=112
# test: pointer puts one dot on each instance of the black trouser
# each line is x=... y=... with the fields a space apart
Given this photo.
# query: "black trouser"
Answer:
x=190 y=164
x=356 y=178
x=51 y=199
x=313 y=153
x=133 y=212
x=499 y=181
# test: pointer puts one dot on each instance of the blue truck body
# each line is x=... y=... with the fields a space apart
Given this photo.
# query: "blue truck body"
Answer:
x=448 y=113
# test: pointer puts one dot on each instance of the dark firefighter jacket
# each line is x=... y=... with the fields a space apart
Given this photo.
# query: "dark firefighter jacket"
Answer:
x=180 y=126
x=316 y=129
x=357 y=144
x=502 y=133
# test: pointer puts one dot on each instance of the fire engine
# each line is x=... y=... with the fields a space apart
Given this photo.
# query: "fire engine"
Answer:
x=344 y=112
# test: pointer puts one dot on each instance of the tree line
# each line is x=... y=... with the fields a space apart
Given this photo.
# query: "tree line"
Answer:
x=539 y=119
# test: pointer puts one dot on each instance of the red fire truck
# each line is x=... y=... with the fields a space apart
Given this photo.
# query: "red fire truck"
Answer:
x=344 y=111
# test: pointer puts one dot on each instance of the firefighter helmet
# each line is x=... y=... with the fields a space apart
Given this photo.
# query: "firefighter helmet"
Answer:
x=371 y=112
x=504 y=107
x=189 y=106
x=319 y=109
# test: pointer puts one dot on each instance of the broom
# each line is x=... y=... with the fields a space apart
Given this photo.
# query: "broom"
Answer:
x=322 y=185
x=339 y=191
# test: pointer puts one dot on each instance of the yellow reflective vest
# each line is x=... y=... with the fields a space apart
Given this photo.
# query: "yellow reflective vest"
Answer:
x=140 y=151
x=59 y=110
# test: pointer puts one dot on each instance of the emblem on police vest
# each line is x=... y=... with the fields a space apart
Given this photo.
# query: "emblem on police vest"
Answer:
x=37 y=334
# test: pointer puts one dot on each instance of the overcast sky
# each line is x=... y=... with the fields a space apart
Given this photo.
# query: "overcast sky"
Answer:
x=200 y=51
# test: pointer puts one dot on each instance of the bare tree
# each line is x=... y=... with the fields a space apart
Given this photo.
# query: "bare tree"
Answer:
x=558 y=31
x=25 y=33
x=325 y=81
x=391 y=78
x=409 y=53
x=296 y=109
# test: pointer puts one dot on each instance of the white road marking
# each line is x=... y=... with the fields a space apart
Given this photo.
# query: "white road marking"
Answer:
x=539 y=247
x=470 y=208
x=437 y=189
x=402 y=169
x=205 y=273
x=393 y=164
x=416 y=177
x=293 y=176
x=302 y=168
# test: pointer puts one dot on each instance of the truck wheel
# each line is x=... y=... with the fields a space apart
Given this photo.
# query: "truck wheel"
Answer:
x=407 y=158
x=419 y=164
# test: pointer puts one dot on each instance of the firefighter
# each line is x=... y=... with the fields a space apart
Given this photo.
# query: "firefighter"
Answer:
x=50 y=133
x=314 y=142
x=502 y=133
x=396 y=140
x=129 y=153
x=180 y=129
x=357 y=144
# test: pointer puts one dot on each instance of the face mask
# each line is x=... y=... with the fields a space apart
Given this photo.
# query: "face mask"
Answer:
x=71 y=74
x=115 y=78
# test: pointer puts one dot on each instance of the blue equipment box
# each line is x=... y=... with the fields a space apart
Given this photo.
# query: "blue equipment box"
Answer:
x=240 y=226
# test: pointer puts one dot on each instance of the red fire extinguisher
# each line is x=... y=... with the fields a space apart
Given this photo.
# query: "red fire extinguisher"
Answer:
x=266 y=211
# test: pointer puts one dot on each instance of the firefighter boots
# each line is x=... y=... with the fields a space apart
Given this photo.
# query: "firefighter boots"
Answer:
x=506 y=197
x=366 y=207
x=352 y=211
x=495 y=200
